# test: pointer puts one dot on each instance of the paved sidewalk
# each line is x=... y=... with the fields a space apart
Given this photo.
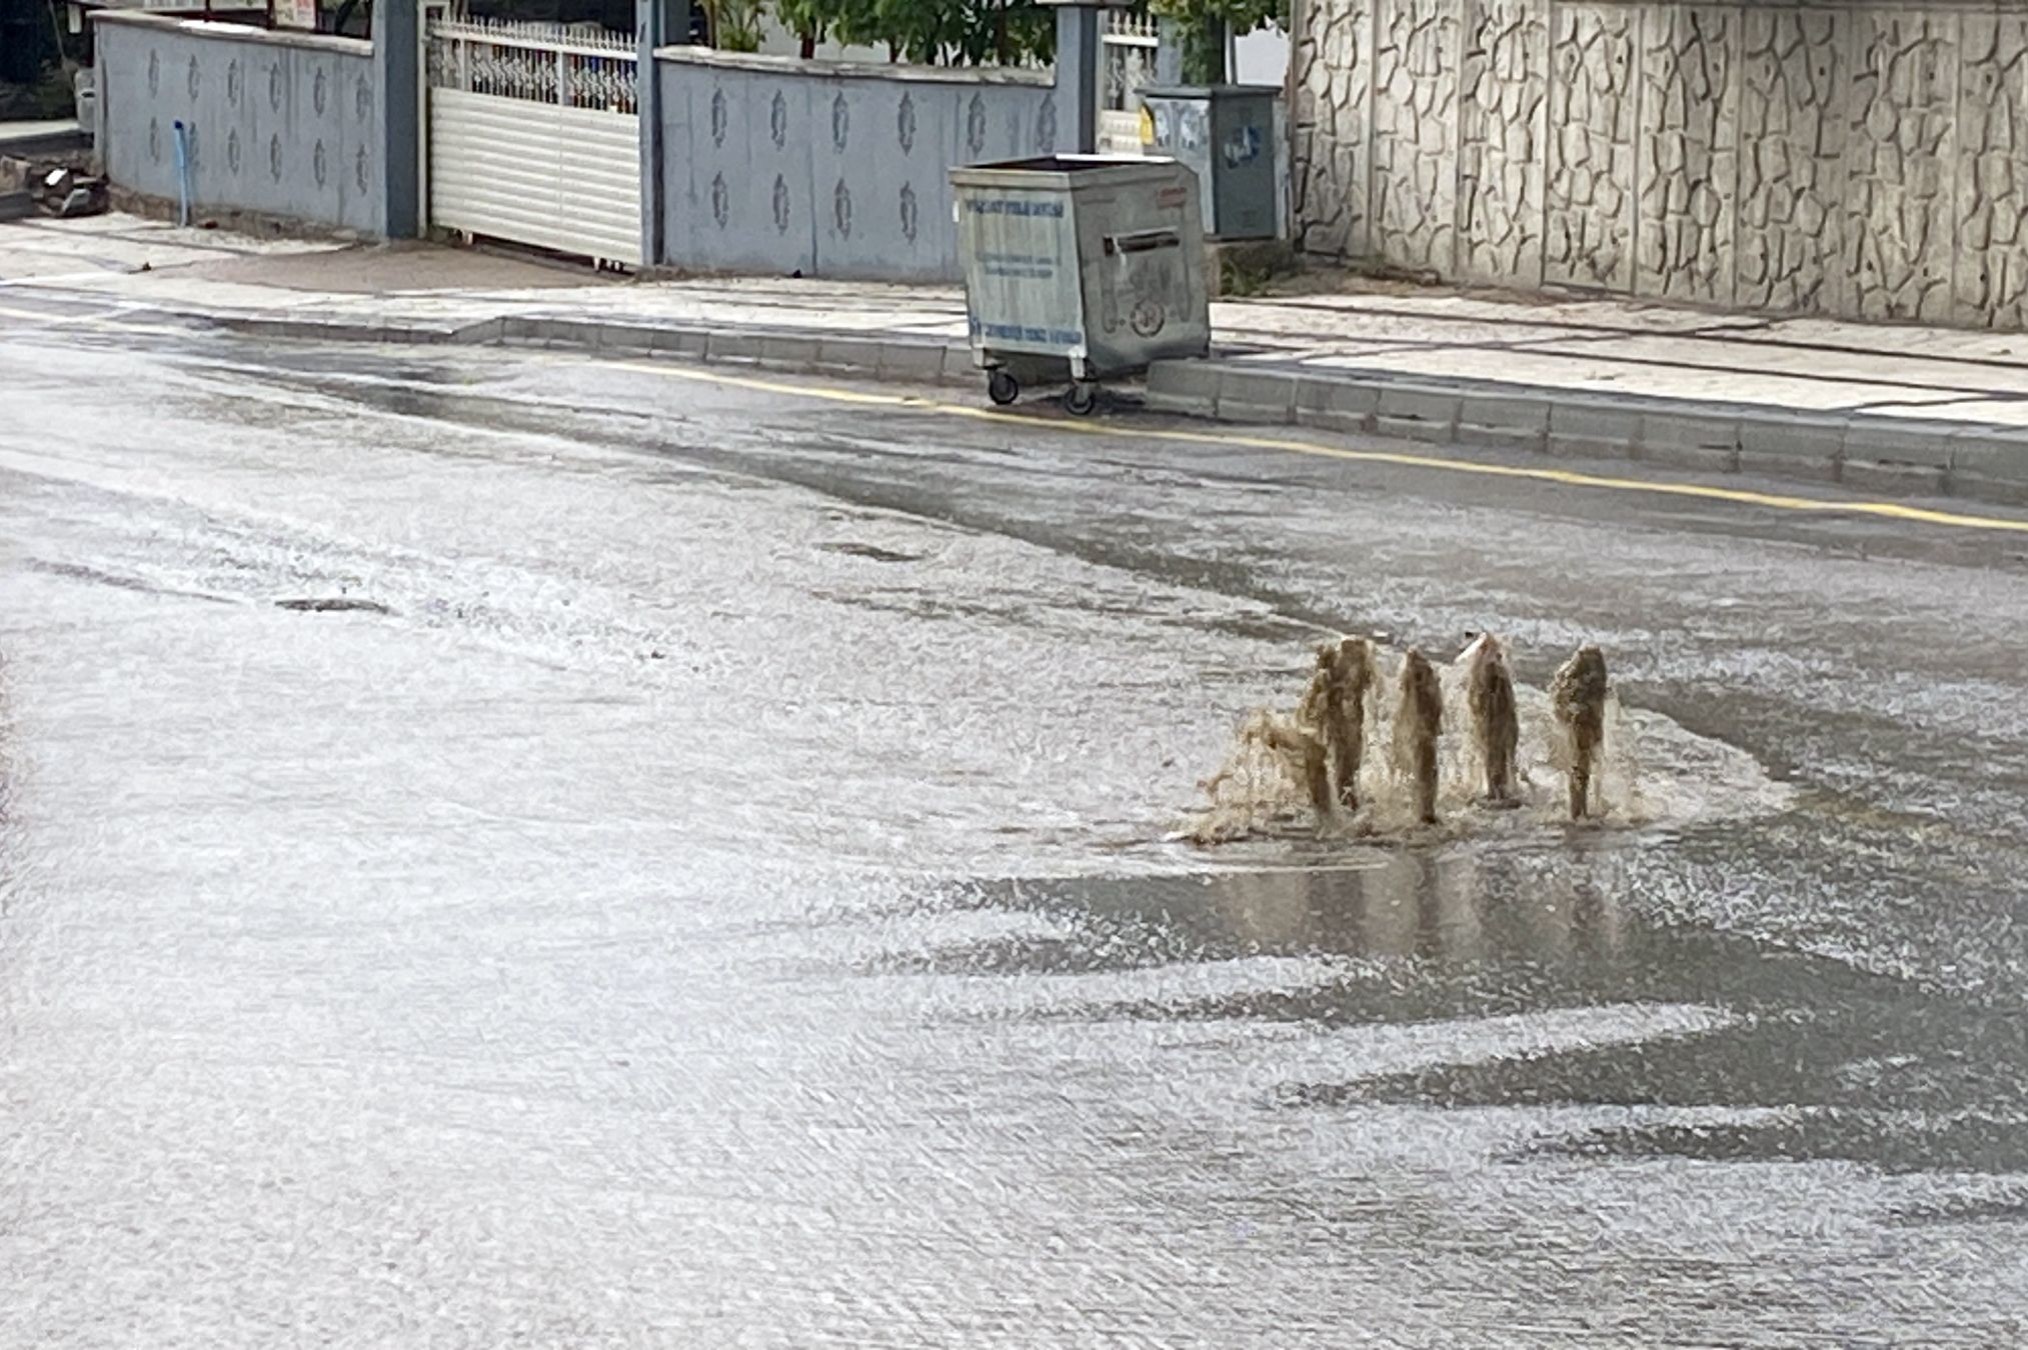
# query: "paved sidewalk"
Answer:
x=1900 y=409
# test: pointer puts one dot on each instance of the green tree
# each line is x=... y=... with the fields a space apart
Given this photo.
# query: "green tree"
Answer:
x=735 y=24
x=1204 y=25
x=932 y=32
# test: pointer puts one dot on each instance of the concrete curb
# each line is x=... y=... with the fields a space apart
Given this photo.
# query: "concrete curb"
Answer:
x=1983 y=462
x=808 y=350
x=1978 y=461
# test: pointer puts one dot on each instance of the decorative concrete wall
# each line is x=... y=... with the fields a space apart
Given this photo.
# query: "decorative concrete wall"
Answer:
x=830 y=168
x=285 y=124
x=1838 y=157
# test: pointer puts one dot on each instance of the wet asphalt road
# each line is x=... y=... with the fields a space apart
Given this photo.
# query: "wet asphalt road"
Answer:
x=705 y=883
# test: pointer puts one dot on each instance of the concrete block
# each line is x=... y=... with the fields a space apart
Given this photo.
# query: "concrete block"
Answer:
x=1885 y=454
x=1417 y=412
x=1707 y=441
x=913 y=361
x=1248 y=395
x=791 y=351
x=560 y=333
x=1338 y=402
x=959 y=367
x=1792 y=445
x=1183 y=387
x=519 y=329
x=1991 y=465
x=1593 y=428
x=1503 y=421
x=480 y=332
x=849 y=355
x=1902 y=441
x=1893 y=479
x=690 y=342
x=730 y=345
x=622 y=337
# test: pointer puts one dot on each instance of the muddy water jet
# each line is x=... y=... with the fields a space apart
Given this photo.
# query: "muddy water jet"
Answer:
x=1335 y=705
x=1304 y=753
x=1418 y=722
x=1496 y=720
x=1577 y=696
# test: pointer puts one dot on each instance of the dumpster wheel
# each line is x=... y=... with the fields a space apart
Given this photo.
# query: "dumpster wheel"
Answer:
x=1002 y=388
x=1080 y=398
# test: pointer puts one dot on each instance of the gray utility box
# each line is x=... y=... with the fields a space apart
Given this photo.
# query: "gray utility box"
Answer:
x=1081 y=266
x=1226 y=133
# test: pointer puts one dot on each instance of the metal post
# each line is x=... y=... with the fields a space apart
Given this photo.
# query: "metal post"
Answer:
x=1078 y=71
x=397 y=98
x=657 y=23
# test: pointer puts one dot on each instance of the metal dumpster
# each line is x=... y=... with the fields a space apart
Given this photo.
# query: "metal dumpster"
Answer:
x=1080 y=267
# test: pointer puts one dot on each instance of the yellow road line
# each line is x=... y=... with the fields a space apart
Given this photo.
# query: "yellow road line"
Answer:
x=1562 y=477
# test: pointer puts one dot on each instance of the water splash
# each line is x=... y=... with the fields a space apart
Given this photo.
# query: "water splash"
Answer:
x=1495 y=718
x=1418 y=723
x=1335 y=704
x=1578 y=695
x=1502 y=757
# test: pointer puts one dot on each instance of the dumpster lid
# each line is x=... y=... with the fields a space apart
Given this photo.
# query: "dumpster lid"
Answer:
x=1210 y=91
x=1065 y=171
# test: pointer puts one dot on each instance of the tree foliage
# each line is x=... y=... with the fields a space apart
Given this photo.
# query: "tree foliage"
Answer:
x=928 y=32
x=1204 y=24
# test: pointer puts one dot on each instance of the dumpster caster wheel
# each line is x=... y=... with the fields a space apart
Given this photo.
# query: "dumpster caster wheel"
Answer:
x=1080 y=398
x=1002 y=388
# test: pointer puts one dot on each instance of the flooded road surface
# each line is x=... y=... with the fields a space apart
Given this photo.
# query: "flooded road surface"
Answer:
x=502 y=848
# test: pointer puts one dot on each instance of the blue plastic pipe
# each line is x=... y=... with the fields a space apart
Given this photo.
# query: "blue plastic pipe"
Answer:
x=182 y=173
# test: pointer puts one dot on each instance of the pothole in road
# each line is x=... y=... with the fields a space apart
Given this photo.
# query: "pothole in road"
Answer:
x=333 y=604
x=874 y=552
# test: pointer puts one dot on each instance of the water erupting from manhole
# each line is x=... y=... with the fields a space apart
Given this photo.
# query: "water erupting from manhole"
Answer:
x=1335 y=705
x=1578 y=697
x=1496 y=720
x=1461 y=735
x=1418 y=722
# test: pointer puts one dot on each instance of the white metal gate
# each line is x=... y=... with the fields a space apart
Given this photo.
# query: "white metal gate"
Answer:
x=1127 y=56
x=534 y=136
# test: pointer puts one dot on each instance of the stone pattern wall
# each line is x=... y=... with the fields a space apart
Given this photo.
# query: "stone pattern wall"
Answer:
x=1589 y=240
x=1789 y=241
x=1332 y=55
x=1503 y=104
x=1991 y=201
x=1689 y=177
x=1415 y=80
x=1860 y=159
x=1900 y=163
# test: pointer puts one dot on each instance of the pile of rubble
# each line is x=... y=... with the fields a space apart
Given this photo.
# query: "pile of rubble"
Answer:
x=45 y=187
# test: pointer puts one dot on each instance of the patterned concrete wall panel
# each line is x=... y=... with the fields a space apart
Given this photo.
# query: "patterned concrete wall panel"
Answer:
x=1503 y=103
x=1990 y=279
x=282 y=125
x=1415 y=124
x=1899 y=161
x=737 y=149
x=1689 y=162
x=1589 y=216
x=823 y=168
x=1333 y=64
x=1789 y=230
x=881 y=151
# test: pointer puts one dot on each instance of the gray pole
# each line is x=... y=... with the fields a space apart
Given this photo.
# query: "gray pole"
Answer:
x=658 y=23
x=397 y=100
x=1077 y=77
